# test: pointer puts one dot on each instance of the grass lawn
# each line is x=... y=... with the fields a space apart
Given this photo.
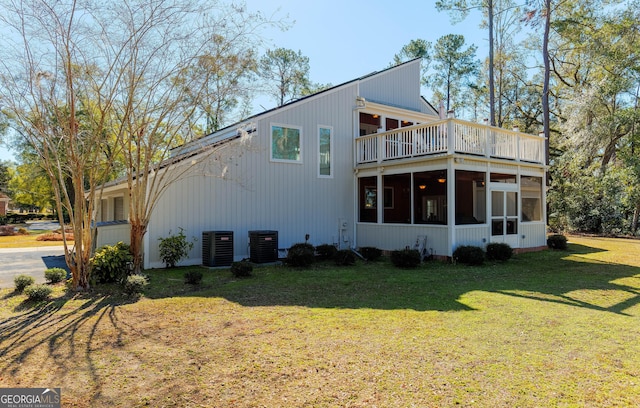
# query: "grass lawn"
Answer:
x=553 y=328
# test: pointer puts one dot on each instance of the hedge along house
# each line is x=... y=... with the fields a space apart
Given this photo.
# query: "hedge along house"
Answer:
x=365 y=163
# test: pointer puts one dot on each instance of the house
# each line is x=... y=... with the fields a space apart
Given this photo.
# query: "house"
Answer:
x=366 y=163
x=4 y=204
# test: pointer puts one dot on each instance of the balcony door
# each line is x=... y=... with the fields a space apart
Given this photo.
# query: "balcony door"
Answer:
x=504 y=215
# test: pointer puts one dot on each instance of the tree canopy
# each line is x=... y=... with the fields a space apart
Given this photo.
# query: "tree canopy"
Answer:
x=100 y=90
x=569 y=69
x=455 y=68
x=286 y=73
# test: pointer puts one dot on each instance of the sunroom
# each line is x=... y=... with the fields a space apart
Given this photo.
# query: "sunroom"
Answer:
x=448 y=183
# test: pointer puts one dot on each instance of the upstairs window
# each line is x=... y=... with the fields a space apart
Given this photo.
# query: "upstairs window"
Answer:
x=325 y=150
x=286 y=143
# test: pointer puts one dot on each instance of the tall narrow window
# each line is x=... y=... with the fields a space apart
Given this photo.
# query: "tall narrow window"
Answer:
x=430 y=197
x=470 y=197
x=104 y=215
x=397 y=198
x=531 y=188
x=118 y=209
x=368 y=200
x=324 y=151
x=286 y=143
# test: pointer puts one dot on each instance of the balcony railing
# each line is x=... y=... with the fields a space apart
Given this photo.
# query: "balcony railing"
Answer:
x=449 y=136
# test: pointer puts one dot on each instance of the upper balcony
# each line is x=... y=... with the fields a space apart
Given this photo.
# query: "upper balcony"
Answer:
x=449 y=136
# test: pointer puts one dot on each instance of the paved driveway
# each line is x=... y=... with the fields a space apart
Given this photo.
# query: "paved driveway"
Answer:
x=29 y=261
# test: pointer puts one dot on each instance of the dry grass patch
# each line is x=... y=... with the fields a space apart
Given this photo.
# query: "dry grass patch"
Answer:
x=27 y=241
x=540 y=330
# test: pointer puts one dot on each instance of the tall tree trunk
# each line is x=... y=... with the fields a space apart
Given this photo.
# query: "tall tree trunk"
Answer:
x=138 y=229
x=448 y=93
x=636 y=218
x=545 y=87
x=492 y=92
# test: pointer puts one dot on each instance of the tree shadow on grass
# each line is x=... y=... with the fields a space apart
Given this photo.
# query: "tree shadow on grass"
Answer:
x=583 y=282
x=547 y=276
x=10 y=295
x=62 y=331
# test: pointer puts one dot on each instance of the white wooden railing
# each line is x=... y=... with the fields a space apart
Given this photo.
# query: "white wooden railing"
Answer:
x=449 y=136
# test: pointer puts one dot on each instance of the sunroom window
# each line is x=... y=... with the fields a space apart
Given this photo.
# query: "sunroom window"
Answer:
x=368 y=192
x=397 y=198
x=471 y=198
x=430 y=197
x=531 y=192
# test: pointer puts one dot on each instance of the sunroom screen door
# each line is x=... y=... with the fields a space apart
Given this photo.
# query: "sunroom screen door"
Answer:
x=504 y=217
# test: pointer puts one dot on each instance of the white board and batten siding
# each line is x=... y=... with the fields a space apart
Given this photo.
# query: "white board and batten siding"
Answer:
x=260 y=194
x=290 y=197
x=398 y=236
x=398 y=90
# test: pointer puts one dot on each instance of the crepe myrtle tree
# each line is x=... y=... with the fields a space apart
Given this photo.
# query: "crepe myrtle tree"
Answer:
x=164 y=46
x=94 y=87
x=58 y=101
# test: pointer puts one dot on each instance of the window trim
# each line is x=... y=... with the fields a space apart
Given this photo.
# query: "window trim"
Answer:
x=284 y=126
x=115 y=208
x=330 y=175
x=539 y=198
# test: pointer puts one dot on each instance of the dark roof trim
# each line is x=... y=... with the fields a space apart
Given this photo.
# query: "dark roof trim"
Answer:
x=177 y=159
x=435 y=111
x=299 y=100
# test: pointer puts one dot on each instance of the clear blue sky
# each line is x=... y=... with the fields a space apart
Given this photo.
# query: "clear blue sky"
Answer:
x=346 y=39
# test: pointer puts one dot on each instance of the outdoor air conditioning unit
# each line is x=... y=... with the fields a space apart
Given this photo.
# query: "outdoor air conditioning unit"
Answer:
x=263 y=246
x=217 y=248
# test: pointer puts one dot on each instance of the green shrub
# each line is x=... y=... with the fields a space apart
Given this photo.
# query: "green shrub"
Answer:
x=300 y=255
x=370 y=253
x=134 y=284
x=557 y=241
x=22 y=281
x=405 y=258
x=241 y=269
x=111 y=263
x=345 y=257
x=499 y=251
x=55 y=275
x=192 y=277
x=326 y=251
x=469 y=255
x=174 y=248
x=38 y=292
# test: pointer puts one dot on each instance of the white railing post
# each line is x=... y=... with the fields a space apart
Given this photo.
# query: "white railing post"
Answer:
x=451 y=137
x=414 y=143
x=488 y=135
